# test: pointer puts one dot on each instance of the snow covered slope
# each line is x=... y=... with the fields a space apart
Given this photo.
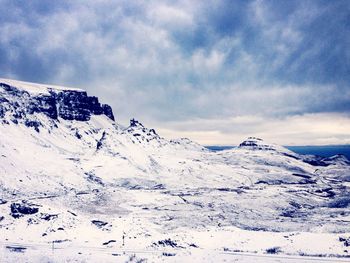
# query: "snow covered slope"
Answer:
x=72 y=177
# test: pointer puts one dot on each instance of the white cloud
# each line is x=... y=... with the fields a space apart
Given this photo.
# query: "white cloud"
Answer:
x=207 y=63
x=169 y=16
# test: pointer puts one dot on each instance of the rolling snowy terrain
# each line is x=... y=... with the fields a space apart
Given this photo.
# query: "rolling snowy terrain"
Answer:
x=76 y=185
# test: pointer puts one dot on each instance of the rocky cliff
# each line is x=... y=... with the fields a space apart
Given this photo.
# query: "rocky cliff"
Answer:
x=20 y=104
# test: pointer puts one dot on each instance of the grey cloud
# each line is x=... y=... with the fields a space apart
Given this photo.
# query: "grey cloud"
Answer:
x=165 y=61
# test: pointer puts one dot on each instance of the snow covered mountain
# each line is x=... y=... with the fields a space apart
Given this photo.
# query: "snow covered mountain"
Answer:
x=73 y=177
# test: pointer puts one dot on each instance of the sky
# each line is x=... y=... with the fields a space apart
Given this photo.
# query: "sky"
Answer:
x=215 y=71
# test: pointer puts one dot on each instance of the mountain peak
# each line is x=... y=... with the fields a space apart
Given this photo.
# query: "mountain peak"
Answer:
x=256 y=144
x=135 y=123
x=140 y=132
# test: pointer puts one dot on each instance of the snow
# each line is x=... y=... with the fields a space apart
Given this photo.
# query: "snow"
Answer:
x=171 y=200
x=35 y=88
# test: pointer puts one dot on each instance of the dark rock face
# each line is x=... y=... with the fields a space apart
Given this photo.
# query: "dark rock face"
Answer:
x=254 y=143
x=107 y=110
x=34 y=124
x=18 y=210
x=99 y=223
x=45 y=104
x=2 y=109
x=251 y=141
x=135 y=123
x=76 y=105
x=8 y=88
x=66 y=104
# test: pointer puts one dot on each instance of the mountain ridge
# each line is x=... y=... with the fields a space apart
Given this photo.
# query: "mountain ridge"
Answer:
x=96 y=180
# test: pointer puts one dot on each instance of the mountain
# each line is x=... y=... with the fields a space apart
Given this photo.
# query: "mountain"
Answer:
x=72 y=177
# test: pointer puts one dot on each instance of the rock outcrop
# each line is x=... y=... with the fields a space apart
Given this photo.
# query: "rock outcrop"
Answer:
x=253 y=143
x=65 y=104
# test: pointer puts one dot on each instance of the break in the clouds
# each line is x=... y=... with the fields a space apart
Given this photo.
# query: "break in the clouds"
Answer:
x=216 y=71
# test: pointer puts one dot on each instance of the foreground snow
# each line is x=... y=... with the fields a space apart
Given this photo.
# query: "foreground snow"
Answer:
x=99 y=191
x=41 y=253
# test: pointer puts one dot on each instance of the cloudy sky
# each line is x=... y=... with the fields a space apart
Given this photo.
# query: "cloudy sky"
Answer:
x=215 y=71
